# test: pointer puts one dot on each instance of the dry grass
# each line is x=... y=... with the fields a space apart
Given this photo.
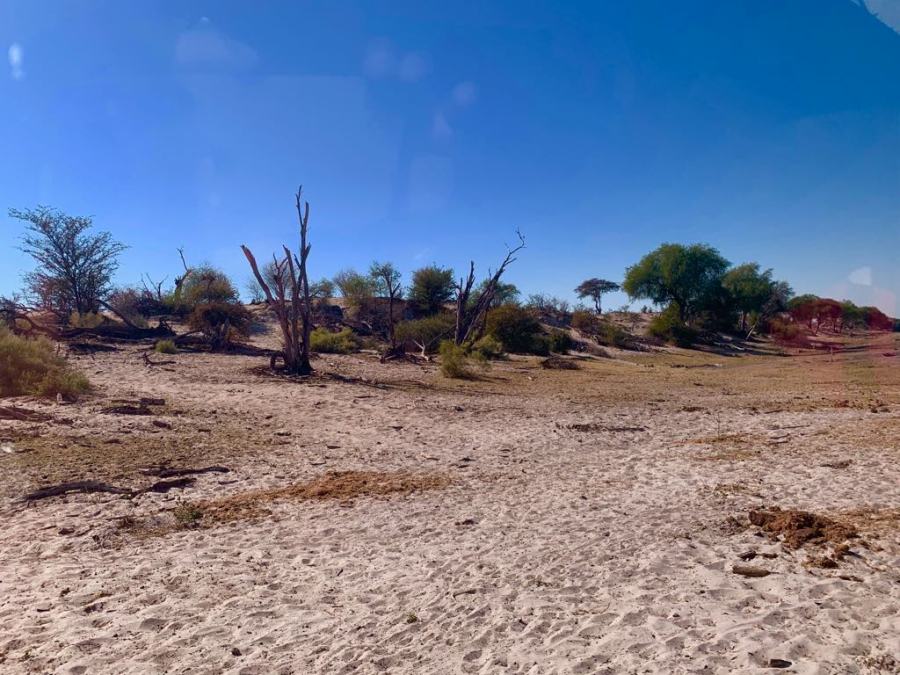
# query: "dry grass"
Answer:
x=340 y=486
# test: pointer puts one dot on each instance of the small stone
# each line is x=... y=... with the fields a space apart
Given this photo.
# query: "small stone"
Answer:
x=779 y=663
x=66 y=530
x=43 y=607
x=235 y=651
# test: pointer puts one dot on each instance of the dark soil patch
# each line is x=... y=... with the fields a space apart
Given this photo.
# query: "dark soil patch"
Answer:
x=797 y=528
x=559 y=363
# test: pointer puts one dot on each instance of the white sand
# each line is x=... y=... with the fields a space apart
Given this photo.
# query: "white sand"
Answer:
x=590 y=552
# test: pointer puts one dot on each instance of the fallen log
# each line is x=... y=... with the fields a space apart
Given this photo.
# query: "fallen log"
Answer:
x=93 y=486
x=170 y=472
x=81 y=486
x=22 y=414
x=164 y=486
x=127 y=410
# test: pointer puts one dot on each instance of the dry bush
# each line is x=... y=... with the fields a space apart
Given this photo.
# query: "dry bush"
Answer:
x=86 y=320
x=31 y=366
x=454 y=363
x=221 y=322
x=323 y=341
x=165 y=347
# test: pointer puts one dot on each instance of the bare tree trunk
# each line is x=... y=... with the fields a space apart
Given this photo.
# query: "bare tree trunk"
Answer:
x=471 y=321
x=295 y=319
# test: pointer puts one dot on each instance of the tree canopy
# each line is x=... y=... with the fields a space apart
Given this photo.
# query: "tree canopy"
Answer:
x=75 y=266
x=432 y=287
x=683 y=276
x=594 y=289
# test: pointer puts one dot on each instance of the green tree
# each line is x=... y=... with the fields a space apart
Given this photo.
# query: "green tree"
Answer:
x=504 y=294
x=354 y=287
x=432 y=287
x=386 y=282
x=682 y=276
x=595 y=289
x=749 y=289
x=75 y=267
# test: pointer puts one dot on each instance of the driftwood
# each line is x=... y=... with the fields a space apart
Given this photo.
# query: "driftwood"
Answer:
x=93 y=486
x=23 y=414
x=167 y=472
x=81 y=486
x=127 y=410
x=163 y=486
x=151 y=362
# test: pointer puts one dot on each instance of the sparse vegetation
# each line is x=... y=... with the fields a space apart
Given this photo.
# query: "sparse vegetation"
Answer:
x=670 y=327
x=75 y=267
x=324 y=341
x=488 y=347
x=595 y=289
x=31 y=366
x=454 y=361
x=165 y=347
x=221 y=323
x=426 y=334
x=431 y=289
x=187 y=516
x=517 y=329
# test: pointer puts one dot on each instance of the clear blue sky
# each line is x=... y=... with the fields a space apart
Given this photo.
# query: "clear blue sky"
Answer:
x=428 y=132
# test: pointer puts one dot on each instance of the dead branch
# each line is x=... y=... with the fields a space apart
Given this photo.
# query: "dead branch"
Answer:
x=167 y=472
x=150 y=362
x=471 y=320
x=289 y=299
x=81 y=486
x=23 y=414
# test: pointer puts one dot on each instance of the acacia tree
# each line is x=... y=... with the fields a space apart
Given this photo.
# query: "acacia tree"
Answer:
x=75 y=267
x=288 y=297
x=681 y=276
x=386 y=280
x=471 y=311
x=594 y=289
x=749 y=289
x=432 y=287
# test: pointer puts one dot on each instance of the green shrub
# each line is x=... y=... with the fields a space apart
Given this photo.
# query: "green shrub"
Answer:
x=165 y=347
x=669 y=327
x=786 y=331
x=487 y=348
x=86 y=320
x=32 y=367
x=585 y=321
x=559 y=341
x=324 y=341
x=611 y=335
x=601 y=330
x=187 y=516
x=426 y=334
x=454 y=362
x=203 y=285
x=221 y=323
x=517 y=329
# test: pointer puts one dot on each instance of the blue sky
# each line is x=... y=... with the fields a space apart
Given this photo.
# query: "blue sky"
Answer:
x=429 y=132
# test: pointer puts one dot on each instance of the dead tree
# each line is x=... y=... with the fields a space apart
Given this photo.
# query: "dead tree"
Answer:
x=471 y=315
x=288 y=297
x=387 y=279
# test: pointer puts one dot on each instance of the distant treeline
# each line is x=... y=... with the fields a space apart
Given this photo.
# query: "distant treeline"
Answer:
x=695 y=289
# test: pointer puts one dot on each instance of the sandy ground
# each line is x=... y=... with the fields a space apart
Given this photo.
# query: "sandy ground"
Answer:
x=589 y=523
